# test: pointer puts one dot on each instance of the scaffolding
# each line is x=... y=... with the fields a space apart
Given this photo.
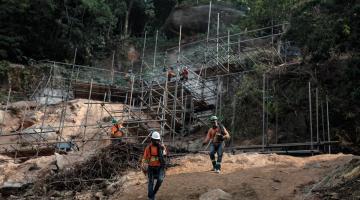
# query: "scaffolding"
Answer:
x=147 y=100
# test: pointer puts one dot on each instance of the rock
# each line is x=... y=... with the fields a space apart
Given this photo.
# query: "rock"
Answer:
x=33 y=167
x=61 y=161
x=86 y=195
x=216 y=194
x=2 y=115
x=12 y=184
x=56 y=194
x=21 y=105
x=11 y=187
x=112 y=188
x=195 y=19
x=99 y=195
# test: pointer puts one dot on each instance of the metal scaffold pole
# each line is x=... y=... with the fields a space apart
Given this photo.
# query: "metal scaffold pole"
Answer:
x=317 y=116
x=155 y=50
x=132 y=78
x=164 y=106
x=62 y=122
x=217 y=38
x=176 y=88
x=207 y=38
x=263 y=115
x=217 y=95
x=143 y=54
x=87 y=109
x=228 y=51
x=322 y=121
x=328 y=122
x=182 y=107
x=233 y=120
x=112 y=76
x=310 y=118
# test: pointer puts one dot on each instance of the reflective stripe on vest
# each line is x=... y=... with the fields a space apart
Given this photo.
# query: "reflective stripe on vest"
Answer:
x=154 y=158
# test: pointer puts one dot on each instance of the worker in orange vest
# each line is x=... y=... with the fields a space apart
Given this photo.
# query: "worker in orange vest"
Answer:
x=117 y=131
x=184 y=75
x=170 y=74
x=153 y=164
x=216 y=135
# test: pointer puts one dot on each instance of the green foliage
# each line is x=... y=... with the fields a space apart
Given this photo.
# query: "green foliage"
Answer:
x=4 y=69
x=326 y=27
x=327 y=31
x=262 y=13
x=43 y=29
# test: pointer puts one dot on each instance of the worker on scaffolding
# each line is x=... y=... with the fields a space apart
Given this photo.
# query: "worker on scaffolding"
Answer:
x=117 y=131
x=184 y=75
x=170 y=74
x=153 y=164
x=128 y=77
x=216 y=135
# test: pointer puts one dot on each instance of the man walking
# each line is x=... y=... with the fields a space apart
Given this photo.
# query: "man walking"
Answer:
x=153 y=163
x=216 y=136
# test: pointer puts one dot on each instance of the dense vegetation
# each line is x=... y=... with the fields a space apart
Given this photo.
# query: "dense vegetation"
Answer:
x=48 y=29
x=327 y=32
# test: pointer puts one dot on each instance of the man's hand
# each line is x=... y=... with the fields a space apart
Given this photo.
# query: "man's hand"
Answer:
x=204 y=143
x=144 y=168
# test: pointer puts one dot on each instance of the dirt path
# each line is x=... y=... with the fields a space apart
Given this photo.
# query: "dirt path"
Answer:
x=244 y=176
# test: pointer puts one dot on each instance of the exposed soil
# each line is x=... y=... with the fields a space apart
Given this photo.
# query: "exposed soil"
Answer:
x=244 y=176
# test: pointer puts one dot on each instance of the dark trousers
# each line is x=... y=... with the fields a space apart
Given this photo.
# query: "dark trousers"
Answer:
x=216 y=148
x=157 y=173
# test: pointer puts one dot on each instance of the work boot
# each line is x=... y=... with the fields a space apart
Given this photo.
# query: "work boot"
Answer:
x=214 y=164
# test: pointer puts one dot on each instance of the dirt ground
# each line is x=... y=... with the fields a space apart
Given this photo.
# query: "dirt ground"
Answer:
x=244 y=176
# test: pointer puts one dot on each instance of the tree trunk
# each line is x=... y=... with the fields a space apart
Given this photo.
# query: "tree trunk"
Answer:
x=127 y=18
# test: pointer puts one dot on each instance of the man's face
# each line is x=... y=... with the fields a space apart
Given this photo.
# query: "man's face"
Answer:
x=214 y=123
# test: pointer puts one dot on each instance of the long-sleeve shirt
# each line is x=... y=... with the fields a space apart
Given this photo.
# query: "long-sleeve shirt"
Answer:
x=212 y=133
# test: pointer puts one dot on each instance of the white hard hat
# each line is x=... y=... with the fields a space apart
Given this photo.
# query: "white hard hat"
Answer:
x=155 y=135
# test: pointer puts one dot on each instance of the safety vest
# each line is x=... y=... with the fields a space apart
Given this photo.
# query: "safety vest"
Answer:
x=116 y=132
x=151 y=156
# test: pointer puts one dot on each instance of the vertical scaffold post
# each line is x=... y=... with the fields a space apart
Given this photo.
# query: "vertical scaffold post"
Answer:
x=87 y=110
x=310 y=118
x=328 y=122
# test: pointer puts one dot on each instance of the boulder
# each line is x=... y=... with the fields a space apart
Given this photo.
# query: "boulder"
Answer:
x=22 y=105
x=62 y=161
x=216 y=194
x=195 y=19
x=11 y=187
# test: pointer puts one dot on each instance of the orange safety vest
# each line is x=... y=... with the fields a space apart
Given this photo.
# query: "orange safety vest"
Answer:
x=151 y=156
x=116 y=132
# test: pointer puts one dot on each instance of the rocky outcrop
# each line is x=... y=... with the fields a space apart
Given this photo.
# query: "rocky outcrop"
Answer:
x=195 y=19
x=216 y=194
